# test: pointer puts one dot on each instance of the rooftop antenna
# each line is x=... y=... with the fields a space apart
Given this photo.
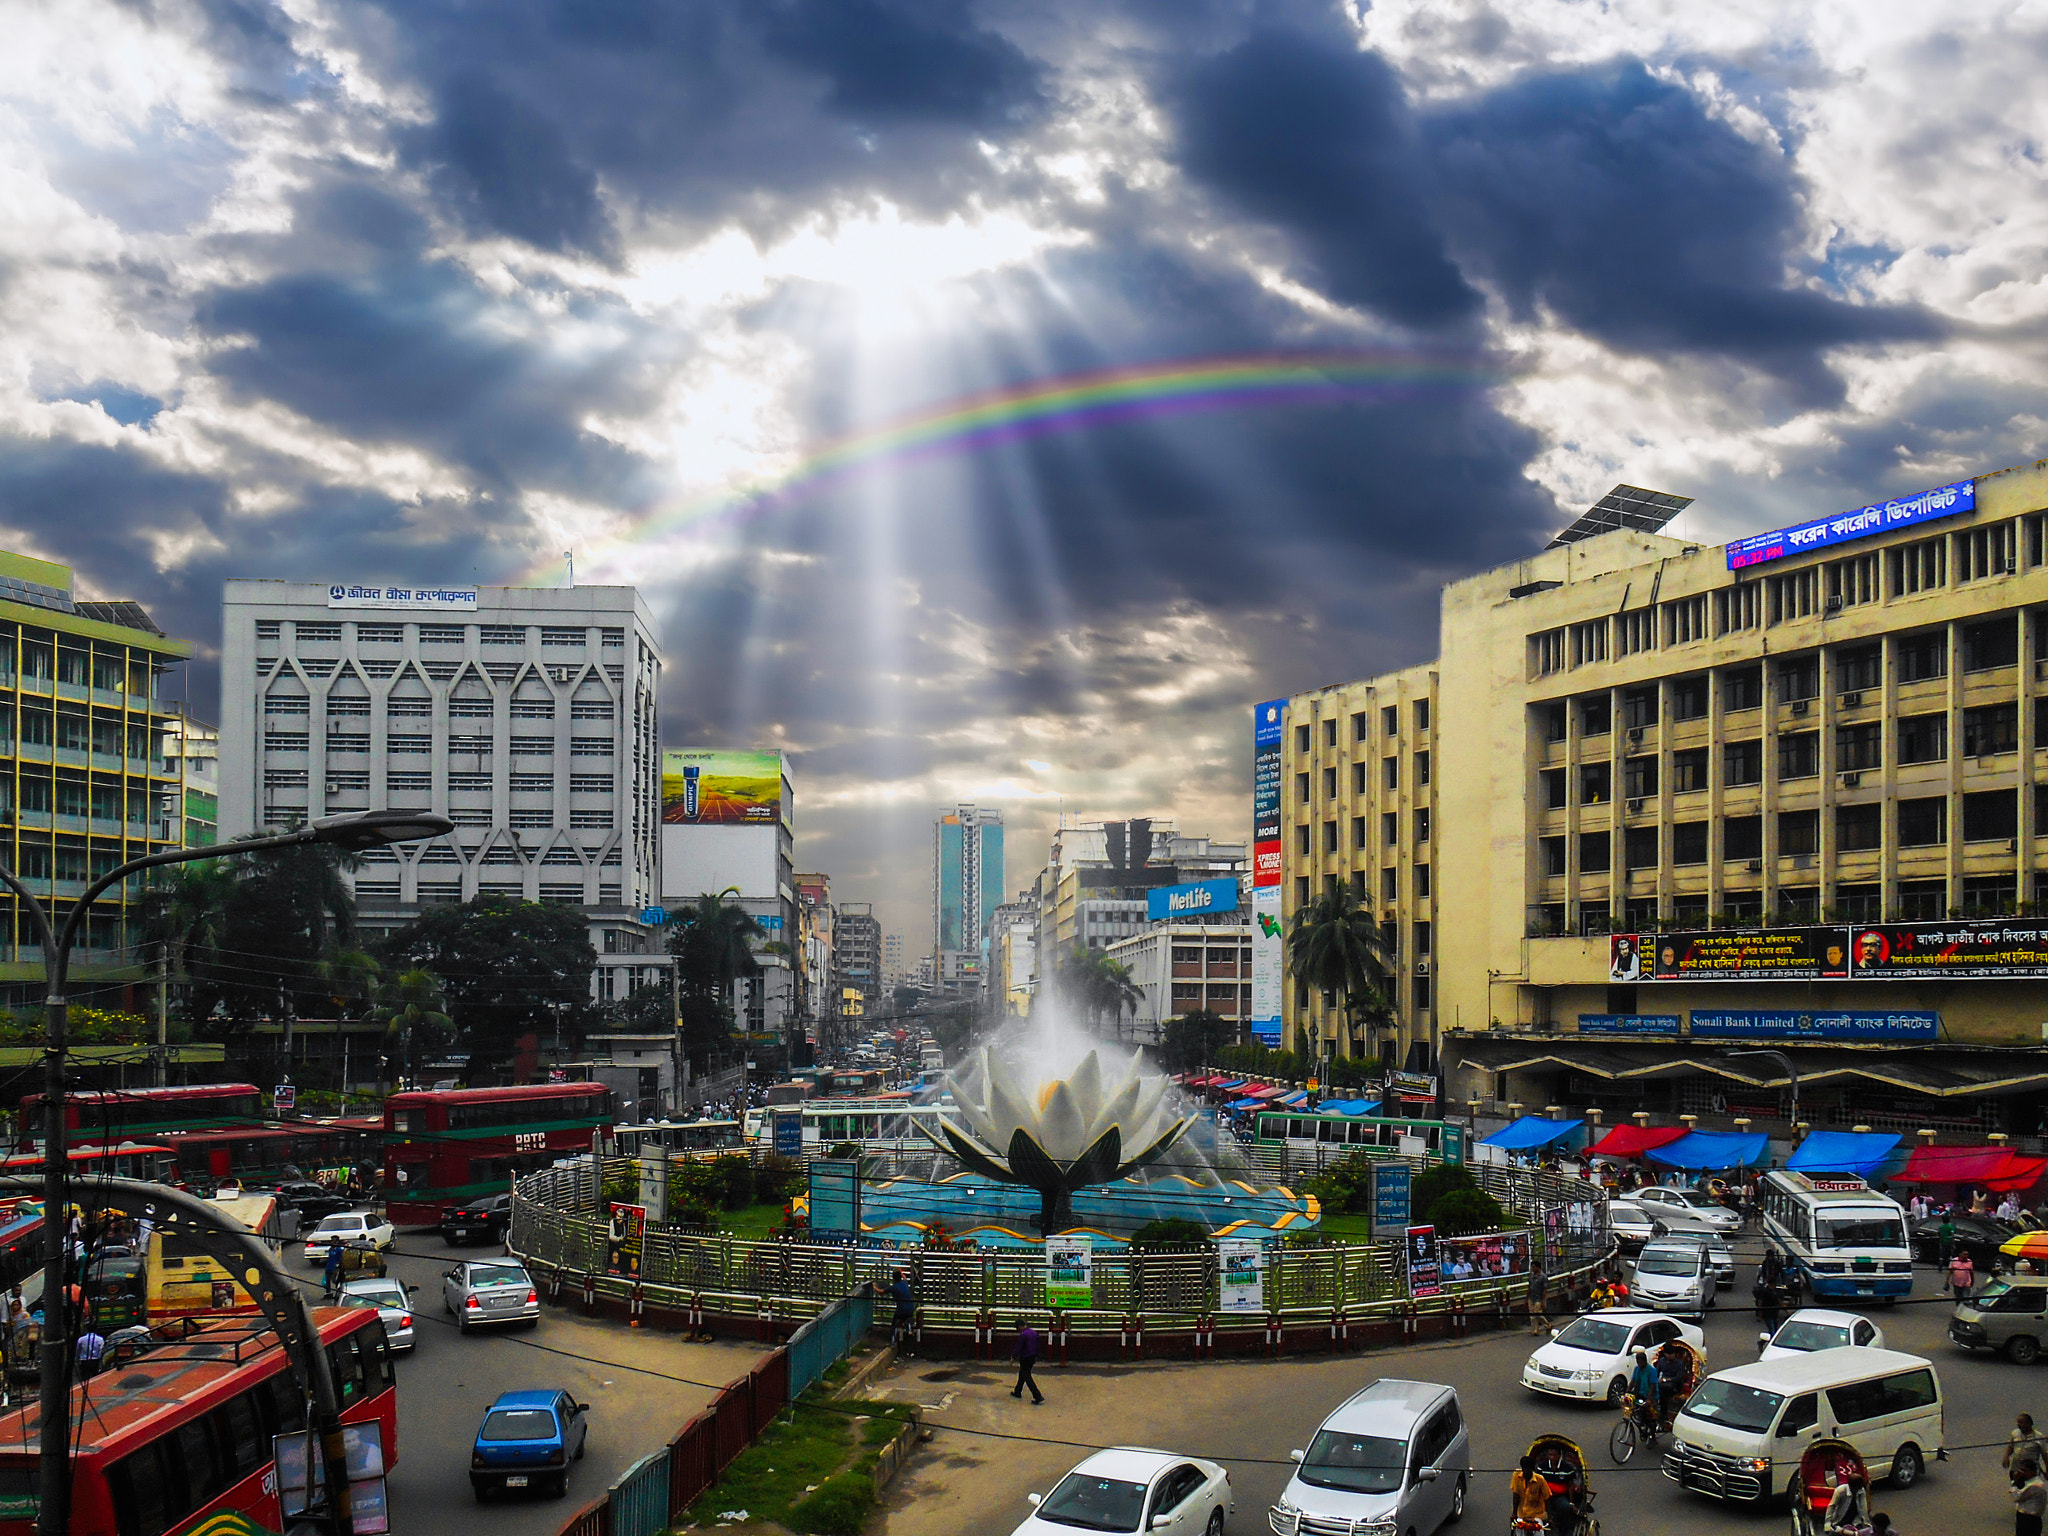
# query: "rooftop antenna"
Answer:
x=570 y=556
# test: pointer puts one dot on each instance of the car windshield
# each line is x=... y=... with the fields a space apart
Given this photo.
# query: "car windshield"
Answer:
x=518 y=1424
x=1094 y=1503
x=498 y=1274
x=377 y=1296
x=1860 y=1229
x=1799 y=1335
x=1669 y=1261
x=1594 y=1336
x=1354 y=1463
x=1732 y=1406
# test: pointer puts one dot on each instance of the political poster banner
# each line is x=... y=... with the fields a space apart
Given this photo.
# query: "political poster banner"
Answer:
x=1241 y=1271
x=1425 y=1263
x=625 y=1241
x=1493 y=1256
x=1070 y=1273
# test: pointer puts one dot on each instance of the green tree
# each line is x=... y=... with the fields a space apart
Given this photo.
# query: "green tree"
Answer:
x=1098 y=986
x=1335 y=946
x=713 y=942
x=647 y=1010
x=506 y=967
x=415 y=1018
x=1193 y=1039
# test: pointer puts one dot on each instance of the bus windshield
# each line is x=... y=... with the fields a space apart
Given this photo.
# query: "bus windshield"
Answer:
x=1858 y=1229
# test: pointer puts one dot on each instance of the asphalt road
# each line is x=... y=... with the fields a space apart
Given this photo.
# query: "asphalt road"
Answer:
x=444 y=1385
x=991 y=1450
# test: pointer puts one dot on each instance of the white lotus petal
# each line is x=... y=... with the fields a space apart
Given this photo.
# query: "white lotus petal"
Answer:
x=1119 y=1111
x=1008 y=1113
x=1086 y=1086
x=1061 y=1126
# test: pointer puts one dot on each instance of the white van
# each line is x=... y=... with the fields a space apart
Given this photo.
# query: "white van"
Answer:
x=1741 y=1433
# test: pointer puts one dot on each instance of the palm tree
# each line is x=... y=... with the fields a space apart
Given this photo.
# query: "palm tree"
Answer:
x=185 y=912
x=713 y=942
x=409 y=1001
x=1336 y=947
x=1098 y=985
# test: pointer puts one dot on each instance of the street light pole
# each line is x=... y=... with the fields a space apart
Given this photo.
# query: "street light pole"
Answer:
x=1791 y=1072
x=366 y=829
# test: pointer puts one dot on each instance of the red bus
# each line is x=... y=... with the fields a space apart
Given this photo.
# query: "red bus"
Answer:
x=129 y=1160
x=276 y=1149
x=145 y=1113
x=449 y=1146
x=179 y=1440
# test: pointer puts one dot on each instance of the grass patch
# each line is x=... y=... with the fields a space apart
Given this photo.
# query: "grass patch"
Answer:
x=1354 y=1226
x=752 y=1221
x=813 y=1471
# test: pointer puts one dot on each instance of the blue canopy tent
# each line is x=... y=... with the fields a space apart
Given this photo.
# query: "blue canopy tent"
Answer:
x=1292 y=1099
x=1532 y=1131
x=1235 y=1083
x=1349 y=1106
x=1863 y=1153
x=1251 y=1104
x=1713 y=1150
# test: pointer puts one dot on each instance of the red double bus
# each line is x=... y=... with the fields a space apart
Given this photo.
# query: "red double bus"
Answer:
x=446 y=1147
x=145 y=1113
x=179 y=1441
x=288 y=1149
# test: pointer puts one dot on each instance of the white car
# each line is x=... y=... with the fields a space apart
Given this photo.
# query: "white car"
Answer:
x=1673 y=1276
x=393 y=1303
x=1812 y=1328
x=1686 y=1210
x=1591 y=1357
x=352 y=1229
x=1133 y=1489
x=1631 y=1225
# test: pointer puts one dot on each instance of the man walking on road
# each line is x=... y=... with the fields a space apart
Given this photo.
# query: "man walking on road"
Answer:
x=1025 y=1353
x=1539 y=1293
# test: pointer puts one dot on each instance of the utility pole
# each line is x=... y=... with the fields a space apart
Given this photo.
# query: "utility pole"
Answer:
x=163 y=1016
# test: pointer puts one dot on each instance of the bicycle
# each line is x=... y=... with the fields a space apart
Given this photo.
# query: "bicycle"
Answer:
x=1638 y=1427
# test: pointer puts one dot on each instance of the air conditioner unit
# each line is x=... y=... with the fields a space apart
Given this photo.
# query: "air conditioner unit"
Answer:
x=560 y=674
x=1834 y=604
x=1755 y=866
x=1851 y=780
x=1851 y=699
x=1799 y=706
x=1635 y=807
x=1635 y=736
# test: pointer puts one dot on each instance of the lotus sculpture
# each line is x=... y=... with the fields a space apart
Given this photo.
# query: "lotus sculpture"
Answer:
x=1086 y=1128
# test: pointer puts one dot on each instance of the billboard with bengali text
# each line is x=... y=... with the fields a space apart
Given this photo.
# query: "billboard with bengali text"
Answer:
x=1269 y=724
x=700 y=788
x=2014 y=949
x=1840 y=527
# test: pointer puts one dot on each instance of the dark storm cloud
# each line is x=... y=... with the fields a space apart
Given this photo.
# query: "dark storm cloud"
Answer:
x=890 y=63
x=502 y=167
x=1613 y=200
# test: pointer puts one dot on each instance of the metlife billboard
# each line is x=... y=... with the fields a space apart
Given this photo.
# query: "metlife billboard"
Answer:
x=1269 y=726
x=1881 y=517
x=1171 y=901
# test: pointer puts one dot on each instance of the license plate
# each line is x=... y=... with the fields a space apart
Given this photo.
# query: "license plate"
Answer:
x=515 y=1482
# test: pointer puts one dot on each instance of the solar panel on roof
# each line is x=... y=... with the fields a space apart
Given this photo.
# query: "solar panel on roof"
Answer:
x=1626 y=506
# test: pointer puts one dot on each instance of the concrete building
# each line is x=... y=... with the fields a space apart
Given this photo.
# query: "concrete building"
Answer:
x=525 y=715
x=191 y=751
x=1181 y=967
x=83 y=784
x=1013 y=956
x=1097 y=878
x=967 y=887
x=892 y=960
x=646 y=1073
x=1791 y=793
x=814 y=952
x=857 y=955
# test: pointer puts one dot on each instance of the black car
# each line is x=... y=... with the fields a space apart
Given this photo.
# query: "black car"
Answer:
x=312 y=1201
x=1978 y=1236
x=488 y=1220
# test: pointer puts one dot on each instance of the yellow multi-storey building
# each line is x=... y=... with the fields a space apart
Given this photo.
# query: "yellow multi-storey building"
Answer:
x=1652 y=804
x=83 y=782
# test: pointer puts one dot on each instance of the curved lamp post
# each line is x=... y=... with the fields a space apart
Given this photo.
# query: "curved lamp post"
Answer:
x=360 y=830
x=1791 y=1072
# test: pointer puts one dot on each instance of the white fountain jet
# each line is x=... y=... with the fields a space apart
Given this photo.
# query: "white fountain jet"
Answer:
x=1071 y=1132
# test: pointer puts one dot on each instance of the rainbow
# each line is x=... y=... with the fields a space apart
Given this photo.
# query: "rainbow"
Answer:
x=1074 y=402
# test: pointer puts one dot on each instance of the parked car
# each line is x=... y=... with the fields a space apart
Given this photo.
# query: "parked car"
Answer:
x=1129 y=1488
x=353 y=1229
x=1812 y=1328
x=487 y=1219
x=1686 y=1210
x=2009 y=1314
x=490 y=1292
x=393 y=1302
x=1673 y=1277
x=1631 y=1225
x=1719 y=1254
x=527 y=1440
x=1394 y=1456
x=1591 y=1356
x=1978 y=1236
x=313 y=1202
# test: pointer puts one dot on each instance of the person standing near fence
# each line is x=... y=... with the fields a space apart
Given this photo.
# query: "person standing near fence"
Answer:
x=1539 y=1293
x=1025 y=1353
x=906 y=1310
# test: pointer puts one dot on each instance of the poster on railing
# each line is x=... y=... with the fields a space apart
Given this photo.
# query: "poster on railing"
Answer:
x=1070 y=1273
x=1494 y=1256
x=1391 y=1185
x=1241 y=1271
x=1425 y=1266
x=1553 y=1235
x=625 y=1240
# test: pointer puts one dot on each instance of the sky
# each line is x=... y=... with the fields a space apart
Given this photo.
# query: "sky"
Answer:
x=768 y=306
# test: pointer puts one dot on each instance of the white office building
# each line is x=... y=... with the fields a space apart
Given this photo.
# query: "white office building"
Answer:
x=524 y=715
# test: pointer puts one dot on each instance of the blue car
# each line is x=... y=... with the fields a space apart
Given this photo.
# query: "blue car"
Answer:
x=527 y=1440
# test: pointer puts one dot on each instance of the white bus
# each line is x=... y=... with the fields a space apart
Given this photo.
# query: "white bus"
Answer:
x=875 y=1124
x=1838 y=1234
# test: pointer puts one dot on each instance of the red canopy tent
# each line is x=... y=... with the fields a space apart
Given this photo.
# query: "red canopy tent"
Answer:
x=1635 y=1140
x=1993 y=1168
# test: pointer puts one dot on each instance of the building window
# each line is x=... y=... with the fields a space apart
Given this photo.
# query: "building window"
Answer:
x=1589 y=642
x=1852 y=581
x=1300 y=892
x=1329 y=837
x=1923 y=901
x=1859 y=746
x=1689 y=698
x=1301 y=842
x=470 y=781
x=1594 y=853
x=1690 y=910
x=1421 y=715
x=1921 y=567
x=1596 y=715
x=1991 y=816
x=1982 y=552
x=1638 y=777
x=1991 y=730
x=1358 y=726
x=533 y=818
x=1390 y=772
x=345 y=779
x=290 y=706
x=1390 y=885
x=1923 y=656
x=1301 y=789
x=1737 y=608
x=1551 y=721
x=1595 y=918
x=1553 y=781
x=1923 y=823
x=1685 y=620
x=1858 y=828
x=1422 y=825
x=1421 y=769
x=276 y=778
x=1550 y=854
x=1635 y=632
x=1742 y=688
x=1689 y=842
x=1639 y=848
x=532 y=709
x=1744 y=906
x=1358 y=778
x=1745 y=762
x=1301 y=739
x=1799 y=755
x=1689 y=771
x=1639 y=708
x=1859 y=903
x=1329 y=783
x=408 y=781
x=1330 y=734
x=1595 y=783
x=1859 y=668
x=1390 y=829
x=440 y=634
x=409 y=709
x=1789 y=596
x=1923 y=738
x=1390 y=719
x=530 y=783
x=1422 y=990
x=1798 y=832
x=1799 y=678
x=1546 y=920
x=1799 y=903
x=590 y=746
x=1988 y=895
x=1742 y=837
x=268 y=629
x=1995 y=643
x=591 y=819
x=561 y=636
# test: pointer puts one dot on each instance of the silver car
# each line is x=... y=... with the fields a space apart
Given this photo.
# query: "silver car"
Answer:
x=1686 y=1210
x=490 y=1291
x=1672 y=1275
x=1394 y=1456
x=1719 y=1254
x=393 y=1303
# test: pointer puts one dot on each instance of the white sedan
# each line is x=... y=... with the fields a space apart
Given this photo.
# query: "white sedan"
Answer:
x=352 y=1229
x=1591 y=1357
x=1686 y=1210
x=1133 y=1489
x=1812 y=1328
